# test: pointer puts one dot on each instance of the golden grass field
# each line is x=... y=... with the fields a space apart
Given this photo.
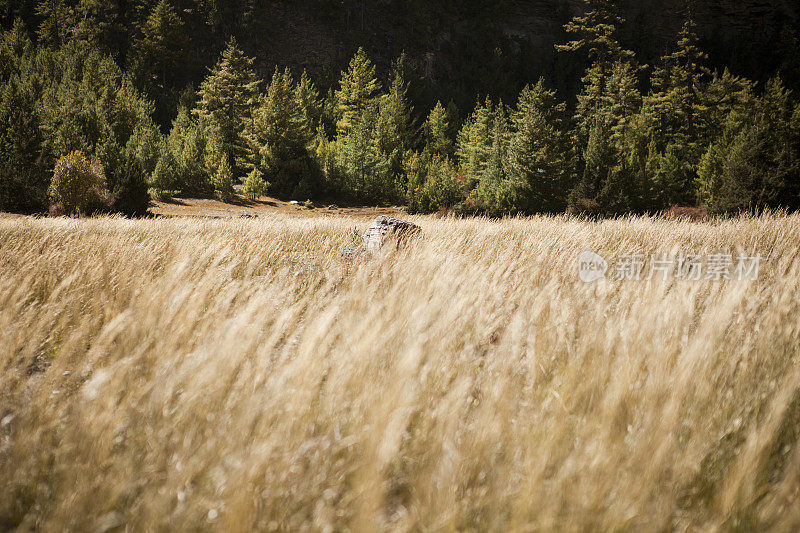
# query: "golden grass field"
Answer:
x=238 y=375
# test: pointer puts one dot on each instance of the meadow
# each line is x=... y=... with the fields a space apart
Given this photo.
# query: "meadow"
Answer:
x=177 y=374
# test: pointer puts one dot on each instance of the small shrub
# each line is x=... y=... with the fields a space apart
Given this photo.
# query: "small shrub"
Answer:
x=255 y=185
x=79 y=185
x=223 y=181
x=164 y=178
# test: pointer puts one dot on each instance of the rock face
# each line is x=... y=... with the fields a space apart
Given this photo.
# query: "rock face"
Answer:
x=382 y=230
x=458 y=48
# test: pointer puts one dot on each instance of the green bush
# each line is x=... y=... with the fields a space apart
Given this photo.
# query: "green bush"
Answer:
x=78 y=185
x=255 y=185
x=433 y=184
x=223 y=181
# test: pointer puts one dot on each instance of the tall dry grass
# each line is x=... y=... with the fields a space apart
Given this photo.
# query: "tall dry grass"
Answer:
x=231 y=375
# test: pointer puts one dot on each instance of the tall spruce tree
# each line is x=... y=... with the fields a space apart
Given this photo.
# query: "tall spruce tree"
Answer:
x=227 y=99
x=596 y=37
x=279 y=137
x=608 y=101
x=495 y=193
x=187 y=142
x=309 y=102
x=674 y=100
x=539 y=162
x=393 y=131
x=437 y=132
x=23 y=174
x=756 y=163
x=361 y=163
x=57 y=22
x=473 y=143
x=665 y=142
x=358 y=89
x=161 y=61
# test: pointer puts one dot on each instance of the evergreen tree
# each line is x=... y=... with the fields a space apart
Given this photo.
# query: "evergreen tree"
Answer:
x=360 y=161
x=724 y=99
x=279 y=138
x=437 y=132
x=393 y=132
x=539 y=160
x=394 y=121
x=358 y=89
x=596 y=36
x=57 y=24
x=16 y=52
x=254 y=185
x=160 y=57
x=473 y=144
x=223 y=180
x=227 y=99
x=187 y=143
x=607 y=103
x=674 y=100
x=756 y=163
x=164 y=180
x=598 y=191
x=23 y=175
x=86 y=103
x=409 y=70
x=101 y=24
x=495 y=194
x=666 y=143
x=308 y=101
x=432 y=183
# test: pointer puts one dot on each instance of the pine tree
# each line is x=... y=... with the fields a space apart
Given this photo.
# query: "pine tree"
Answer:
x=667 y=127
x=394 y=120
x=674 y=101
x=600 y=171
x=308 y=101
x=756 y=163
x=16 y=51
x=393 y=131
x=360 y=161
x=223 y=180
x=409 y=70
x=539 y=161
x=164 y=180
x=187 y=142
x=437 y=132
x=432 y=183
x=724 y=99
x=162 y=43
x=101 y=23
x=279 y=138
x=23 y=175
x=57 y=23
x=227 y=99
x=160 y=57
x=596 y=36
x=609 y=100
x=473 y=144
x=358 y=88
x=254 y=185
x=495 y=194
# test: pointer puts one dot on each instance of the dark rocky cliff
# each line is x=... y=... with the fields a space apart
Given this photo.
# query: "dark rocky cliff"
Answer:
x=466 y=48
